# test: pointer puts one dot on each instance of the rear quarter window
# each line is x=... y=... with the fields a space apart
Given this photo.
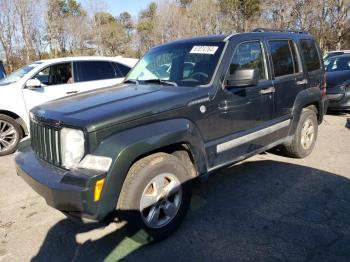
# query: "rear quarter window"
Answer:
x=124 y=70
x=310 y=53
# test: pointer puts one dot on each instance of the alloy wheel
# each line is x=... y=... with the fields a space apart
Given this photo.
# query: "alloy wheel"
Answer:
x=160 y=200
x=307 y=134
x=8 y=135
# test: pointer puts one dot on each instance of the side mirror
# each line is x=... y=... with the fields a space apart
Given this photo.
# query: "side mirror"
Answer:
x=243 y=78
x=33 y=84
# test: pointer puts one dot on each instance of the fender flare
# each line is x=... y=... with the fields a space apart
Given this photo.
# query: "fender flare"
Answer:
x=306 y=97
x=128 y=146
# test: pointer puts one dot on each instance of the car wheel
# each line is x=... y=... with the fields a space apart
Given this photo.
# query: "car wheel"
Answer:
x=155 y=197
x=10 y=135
x=305 y=135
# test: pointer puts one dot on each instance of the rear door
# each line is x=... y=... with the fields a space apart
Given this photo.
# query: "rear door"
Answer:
x=91 y=75
x=312 y=61
x=288 y=76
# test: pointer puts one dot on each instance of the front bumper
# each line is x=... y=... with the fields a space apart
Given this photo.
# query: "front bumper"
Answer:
x=68 y=191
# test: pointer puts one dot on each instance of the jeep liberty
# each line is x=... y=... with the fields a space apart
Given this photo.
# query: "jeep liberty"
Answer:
x=187 y=108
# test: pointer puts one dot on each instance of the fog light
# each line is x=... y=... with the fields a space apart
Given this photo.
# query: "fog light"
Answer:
x=98 y=189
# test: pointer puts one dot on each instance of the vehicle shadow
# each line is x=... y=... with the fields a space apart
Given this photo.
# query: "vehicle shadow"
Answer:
x=253 y=211
x=338 y=112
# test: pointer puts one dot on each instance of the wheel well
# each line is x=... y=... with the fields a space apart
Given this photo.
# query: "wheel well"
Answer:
x=18 y=119
x=314 y=107
x=180 y=150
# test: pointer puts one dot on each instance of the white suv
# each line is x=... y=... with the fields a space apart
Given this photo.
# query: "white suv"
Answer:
x=46 y=80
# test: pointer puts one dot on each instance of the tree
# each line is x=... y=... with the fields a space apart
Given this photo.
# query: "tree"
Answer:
x=126 y=21
x=145 y=27
x=340 y=12
x=7 y=37
x=240 y=12
x=112 y=38
x=60 y=15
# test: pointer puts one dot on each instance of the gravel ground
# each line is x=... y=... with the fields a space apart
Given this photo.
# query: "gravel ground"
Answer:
x=267 y=208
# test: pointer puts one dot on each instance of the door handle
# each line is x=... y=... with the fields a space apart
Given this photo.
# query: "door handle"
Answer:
x=302 y=82
x=71 y=92
x=268 y=90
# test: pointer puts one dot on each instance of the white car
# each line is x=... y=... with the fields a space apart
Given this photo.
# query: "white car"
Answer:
x=46 y=80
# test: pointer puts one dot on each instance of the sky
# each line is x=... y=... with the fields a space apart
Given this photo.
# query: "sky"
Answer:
x=115 y=7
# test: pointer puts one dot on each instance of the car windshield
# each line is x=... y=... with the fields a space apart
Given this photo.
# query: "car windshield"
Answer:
x=186 y=64
x=18 y=74
x=337 y=64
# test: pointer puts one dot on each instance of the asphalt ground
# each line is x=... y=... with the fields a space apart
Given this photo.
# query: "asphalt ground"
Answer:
x=267 y=208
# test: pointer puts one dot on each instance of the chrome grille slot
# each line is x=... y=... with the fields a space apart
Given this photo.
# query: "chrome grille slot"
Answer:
x=45 y=142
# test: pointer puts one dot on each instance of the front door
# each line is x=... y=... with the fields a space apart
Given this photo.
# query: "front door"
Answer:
x=57 y=81
x=240 y=109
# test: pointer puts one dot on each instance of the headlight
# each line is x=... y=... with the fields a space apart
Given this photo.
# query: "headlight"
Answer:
x=72 y=147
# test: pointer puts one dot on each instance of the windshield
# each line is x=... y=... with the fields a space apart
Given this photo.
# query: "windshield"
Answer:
x=18 y=74
x=337 y=64
x=189 y=64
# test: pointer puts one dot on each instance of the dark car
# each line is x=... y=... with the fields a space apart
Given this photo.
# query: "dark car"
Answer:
x=335 y=53
x=2 y=70
x=338 y=82
x=136 y=148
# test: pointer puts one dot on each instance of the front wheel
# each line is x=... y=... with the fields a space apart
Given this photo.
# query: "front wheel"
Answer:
x=10 y=135
x=305 y=135
x=155 y=197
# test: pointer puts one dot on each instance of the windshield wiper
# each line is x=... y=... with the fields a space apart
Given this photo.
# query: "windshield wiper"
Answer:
x=133 y=81
x=160 y=81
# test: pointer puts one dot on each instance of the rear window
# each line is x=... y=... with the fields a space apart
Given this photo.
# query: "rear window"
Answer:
x=284 y=57
x=95 y=70
x=312 y=59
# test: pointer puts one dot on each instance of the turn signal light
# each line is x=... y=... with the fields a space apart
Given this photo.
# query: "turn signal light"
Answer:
x=98 y=189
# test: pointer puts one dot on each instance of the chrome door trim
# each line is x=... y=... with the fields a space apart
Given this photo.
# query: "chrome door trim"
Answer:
x=250 y=137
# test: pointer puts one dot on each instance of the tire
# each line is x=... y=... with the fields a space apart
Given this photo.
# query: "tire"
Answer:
x=303 y=141
x=10 y=135
x=140 y=188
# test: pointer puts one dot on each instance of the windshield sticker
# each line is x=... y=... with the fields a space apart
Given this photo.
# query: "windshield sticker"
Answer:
x=207 y=50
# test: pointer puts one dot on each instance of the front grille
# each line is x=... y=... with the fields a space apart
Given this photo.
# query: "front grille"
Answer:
x=45 y=142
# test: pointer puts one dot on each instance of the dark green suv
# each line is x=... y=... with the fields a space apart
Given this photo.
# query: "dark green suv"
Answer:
x=186 y=109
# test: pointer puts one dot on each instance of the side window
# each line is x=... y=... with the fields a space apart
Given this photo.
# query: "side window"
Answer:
x=249 y=55
x=296 y=57
x=56 y=74
x=123 y=69
x=95 y=70
x=312 y=59
x=282 y=57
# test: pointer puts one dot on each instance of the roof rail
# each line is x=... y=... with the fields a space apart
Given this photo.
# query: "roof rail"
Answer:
x=279 y=30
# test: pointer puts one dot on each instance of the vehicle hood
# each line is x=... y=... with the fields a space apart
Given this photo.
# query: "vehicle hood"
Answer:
x=337 y=78
x=105 y=107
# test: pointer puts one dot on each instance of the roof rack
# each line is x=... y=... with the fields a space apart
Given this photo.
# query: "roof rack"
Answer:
x=260 y=30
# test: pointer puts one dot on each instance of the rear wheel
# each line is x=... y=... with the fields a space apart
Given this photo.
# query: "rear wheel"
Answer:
x=10 y=135
x=305 y=135
x=155 y=197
